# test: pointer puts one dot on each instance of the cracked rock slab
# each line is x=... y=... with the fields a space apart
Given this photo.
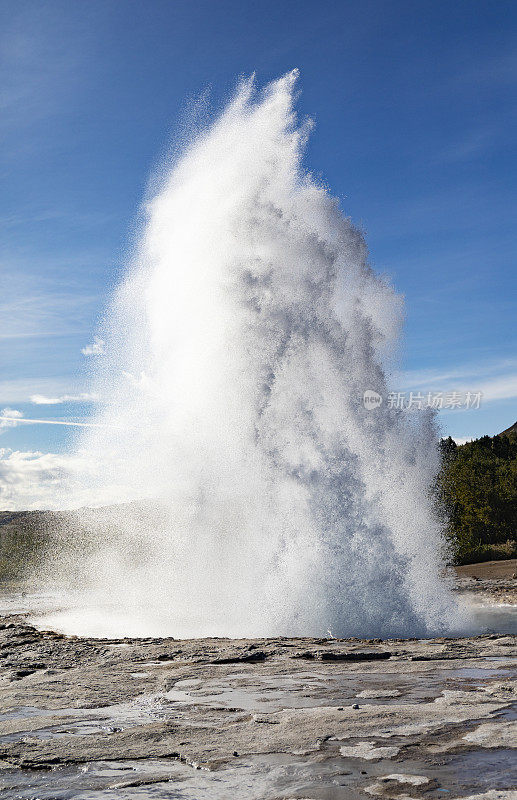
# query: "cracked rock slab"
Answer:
x=369 y=751
x=258 y=716
x=494 y=734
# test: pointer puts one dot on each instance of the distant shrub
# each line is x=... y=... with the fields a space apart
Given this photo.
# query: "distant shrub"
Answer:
x=23 y=539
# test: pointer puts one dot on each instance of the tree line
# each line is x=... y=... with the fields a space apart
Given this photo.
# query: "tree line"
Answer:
x=476 y=493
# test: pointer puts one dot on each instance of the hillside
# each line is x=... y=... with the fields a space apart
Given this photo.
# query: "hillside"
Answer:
x=23 y=535
x=511 y=431
x=477 y=496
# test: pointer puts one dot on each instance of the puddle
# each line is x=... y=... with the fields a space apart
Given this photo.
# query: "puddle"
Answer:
x=478 y=672
x=276 y=692
x=258 y=777
x=271 y=693
x=496 y=618
x=61 y=731
x=320 y=776
x=502 y=660
x=509 y=714
x=480 y=771
x=83 y=722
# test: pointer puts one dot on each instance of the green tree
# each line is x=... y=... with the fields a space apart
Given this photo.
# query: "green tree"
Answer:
x=477 y=495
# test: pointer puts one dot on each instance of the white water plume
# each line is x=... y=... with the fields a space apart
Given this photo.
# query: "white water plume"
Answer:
x=260 y=497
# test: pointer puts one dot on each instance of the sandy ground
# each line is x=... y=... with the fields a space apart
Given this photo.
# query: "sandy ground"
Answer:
x=491 y=581
x=501 y=570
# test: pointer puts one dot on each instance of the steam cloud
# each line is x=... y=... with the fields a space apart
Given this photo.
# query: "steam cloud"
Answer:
x=259 y=495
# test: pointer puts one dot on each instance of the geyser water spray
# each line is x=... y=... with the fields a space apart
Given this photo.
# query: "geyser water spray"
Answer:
x=259 y=492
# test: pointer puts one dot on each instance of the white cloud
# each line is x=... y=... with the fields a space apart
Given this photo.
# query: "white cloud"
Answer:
x=463 y=439
x=43 y=400
x=34 y=480
x=96 y=348
x=9 y=417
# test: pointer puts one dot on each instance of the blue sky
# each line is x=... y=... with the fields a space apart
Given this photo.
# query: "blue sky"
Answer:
x=414 y=104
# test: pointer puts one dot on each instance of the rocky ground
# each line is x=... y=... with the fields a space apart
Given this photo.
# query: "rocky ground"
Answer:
x=276 y=718
x=490 y=581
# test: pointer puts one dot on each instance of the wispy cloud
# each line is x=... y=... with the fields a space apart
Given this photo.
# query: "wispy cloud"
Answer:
x=15 y=391
x=28 y=307
x=9 y=418
x=43 y=400
x=502 y=388
x=497 y=70
x=471 y=146
x=496 y=380
x=41 y=69
x=96 y=348
x=12 y=421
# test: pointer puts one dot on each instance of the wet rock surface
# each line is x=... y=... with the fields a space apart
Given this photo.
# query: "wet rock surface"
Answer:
x=269 y=718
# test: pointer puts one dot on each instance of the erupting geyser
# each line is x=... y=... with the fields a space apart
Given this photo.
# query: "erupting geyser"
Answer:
x=259 y=495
